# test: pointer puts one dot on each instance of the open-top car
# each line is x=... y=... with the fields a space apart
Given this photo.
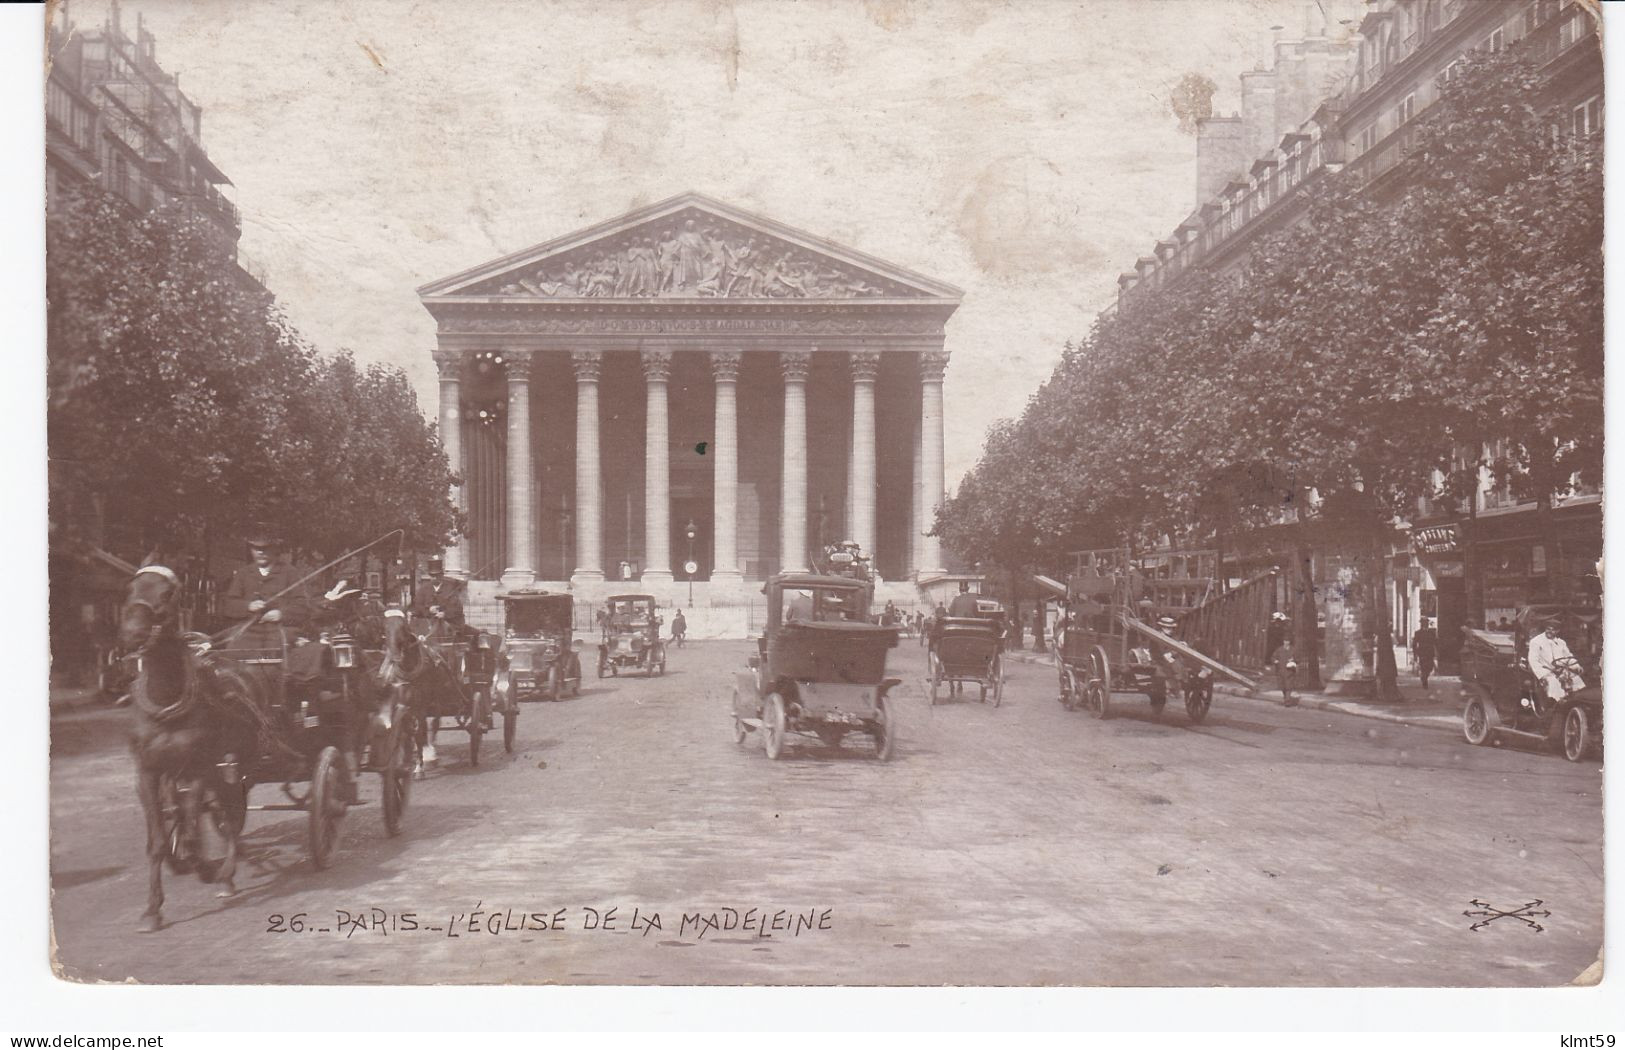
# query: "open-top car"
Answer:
x=819 y=668
x=631 y=638
x=1506 y=697
x=538 y=656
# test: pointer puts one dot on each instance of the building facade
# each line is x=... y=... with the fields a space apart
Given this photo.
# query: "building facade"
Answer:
x=690 y=394
x=1383 y=71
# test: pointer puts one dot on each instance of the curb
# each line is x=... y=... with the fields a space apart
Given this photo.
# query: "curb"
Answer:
x=1310 y=701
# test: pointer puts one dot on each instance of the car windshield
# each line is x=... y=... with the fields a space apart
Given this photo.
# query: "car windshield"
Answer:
x=630 y=612
x=823 y=605
x=534 y=619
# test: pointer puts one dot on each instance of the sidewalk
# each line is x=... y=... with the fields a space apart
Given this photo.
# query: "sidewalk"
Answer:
x=1438 y=707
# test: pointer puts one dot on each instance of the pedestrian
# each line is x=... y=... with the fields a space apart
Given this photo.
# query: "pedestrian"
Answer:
x=1283 y=657
x=1038 y=628
x=679 y=628
x=1425 y=647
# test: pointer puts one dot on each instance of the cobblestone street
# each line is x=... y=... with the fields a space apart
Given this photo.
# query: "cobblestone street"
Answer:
x=1018 y=845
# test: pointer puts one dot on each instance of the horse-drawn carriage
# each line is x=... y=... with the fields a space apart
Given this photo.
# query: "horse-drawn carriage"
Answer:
x=323 y=720
x=631 y=637
x=819 y=669
x=969 y=649
x=538 y=656
x=1105 y=645
x=451 y=678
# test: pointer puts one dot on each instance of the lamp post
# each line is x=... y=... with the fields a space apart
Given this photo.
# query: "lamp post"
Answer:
x=690 y=566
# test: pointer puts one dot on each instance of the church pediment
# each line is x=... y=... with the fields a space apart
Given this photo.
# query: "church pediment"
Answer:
x=689 y=247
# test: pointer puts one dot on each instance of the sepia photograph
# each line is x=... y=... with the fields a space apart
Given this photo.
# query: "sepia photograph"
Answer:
x=1096 y=494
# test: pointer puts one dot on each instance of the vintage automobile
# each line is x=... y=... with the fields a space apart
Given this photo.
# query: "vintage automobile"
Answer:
x=538 y=656
x=969 y=649
x=631 y=636
x=1504 y=698
x=819 y=668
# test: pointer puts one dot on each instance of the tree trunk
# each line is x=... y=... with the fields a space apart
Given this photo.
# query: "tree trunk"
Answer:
x=1387 y=672
x=1305 y=618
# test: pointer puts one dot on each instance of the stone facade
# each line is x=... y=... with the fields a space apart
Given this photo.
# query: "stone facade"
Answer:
x=690 y=368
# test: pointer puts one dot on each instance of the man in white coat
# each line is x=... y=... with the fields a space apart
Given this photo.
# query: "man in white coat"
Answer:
x=1553 y=663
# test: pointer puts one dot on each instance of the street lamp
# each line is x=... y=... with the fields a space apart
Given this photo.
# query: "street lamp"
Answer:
x=690 y=565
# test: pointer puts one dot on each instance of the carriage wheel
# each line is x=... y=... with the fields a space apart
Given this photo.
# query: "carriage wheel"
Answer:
x=773 y=725
x=998 y=682
x=1097 y=690
x=325 y=805
x=476 y=725
x=1198 y=701
x=1576 y=733
x=936 y=678
x=396 y=776
x=885 y=733
x=216 y=823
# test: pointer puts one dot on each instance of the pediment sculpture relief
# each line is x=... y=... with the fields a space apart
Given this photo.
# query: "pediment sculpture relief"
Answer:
x=689 y=257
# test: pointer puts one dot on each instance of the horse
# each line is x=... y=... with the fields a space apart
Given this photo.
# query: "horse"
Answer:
x=411 y=665
x=189 y=730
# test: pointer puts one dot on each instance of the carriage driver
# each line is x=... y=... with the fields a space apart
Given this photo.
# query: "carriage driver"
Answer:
x=440 y=600
x=252 y=590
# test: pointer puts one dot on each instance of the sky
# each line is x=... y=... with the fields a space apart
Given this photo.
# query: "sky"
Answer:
x=1027 y=151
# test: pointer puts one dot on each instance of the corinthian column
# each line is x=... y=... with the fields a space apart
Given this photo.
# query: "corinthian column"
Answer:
x=656 y=470
x=933 y=484
x=793 y=475
x=589 y=492
x=521 y=570
x=865 y=367
x=725 y=470
x=450 y=365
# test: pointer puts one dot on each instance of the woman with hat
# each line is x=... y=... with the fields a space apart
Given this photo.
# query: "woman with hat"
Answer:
x=256 y=590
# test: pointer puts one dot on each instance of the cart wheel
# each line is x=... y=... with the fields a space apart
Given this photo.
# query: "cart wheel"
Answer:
x=510 y=726
x=1198 y=701
x=1098 y=689
x=998 y=682
x=396 y=776
x=325 y=805
x=476 y=726
x=1576 y=733
x=885 y=733
x=773 y=728
x=1475 y=722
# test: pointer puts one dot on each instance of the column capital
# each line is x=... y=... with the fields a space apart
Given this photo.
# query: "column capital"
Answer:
x=794 y=365
x=656 y=364
x=725 y=365
x=516 y=364
x=587 y=364
x=449 y=363
x=933 y=363
x=865 y=365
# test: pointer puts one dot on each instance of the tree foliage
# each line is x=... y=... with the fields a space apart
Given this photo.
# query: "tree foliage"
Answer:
x=184 y=407
x=1455 y=301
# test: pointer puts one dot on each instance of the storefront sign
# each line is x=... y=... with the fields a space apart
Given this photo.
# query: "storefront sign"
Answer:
x=1446 y=569
x=1436 y=539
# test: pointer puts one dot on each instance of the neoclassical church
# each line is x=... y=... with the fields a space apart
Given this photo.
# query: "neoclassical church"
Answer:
x=690 y=394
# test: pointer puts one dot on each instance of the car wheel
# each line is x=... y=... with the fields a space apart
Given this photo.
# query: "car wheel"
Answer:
x=773 y=725
x=1475 y=722
x=1576 y=733
x=885 y=732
